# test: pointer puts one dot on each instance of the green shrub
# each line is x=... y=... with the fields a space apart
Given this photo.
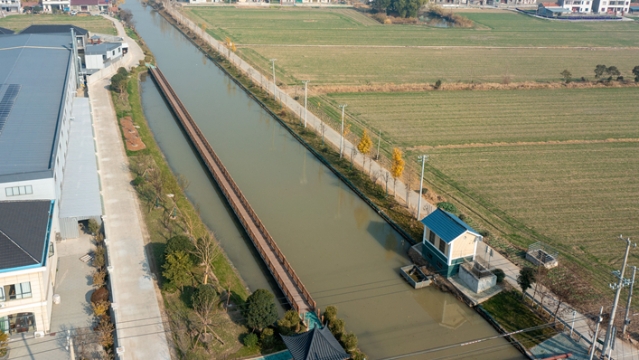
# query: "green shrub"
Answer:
x=169 y=287
x=330 y=313
x=290 y=323
x=93 y=227
x=181 y=243
x=99 y=257
x=137 y=181
x=260 y=310
x=250 y=340
x=349 y=340
x=337 y=327
x=500 y=275
x=446 y=206
x=267 y=338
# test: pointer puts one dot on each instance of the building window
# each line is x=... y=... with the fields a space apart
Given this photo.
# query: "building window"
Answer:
x=442 y=246
x=18 y=190
x=15 y=291
x=17 y=323
x=51 y=249
x=431 y=237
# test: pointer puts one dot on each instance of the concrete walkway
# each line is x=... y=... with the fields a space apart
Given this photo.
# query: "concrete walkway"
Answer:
x=583 y=326
x=141 y=333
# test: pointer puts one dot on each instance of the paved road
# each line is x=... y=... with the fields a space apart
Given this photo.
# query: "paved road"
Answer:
x=141 y=333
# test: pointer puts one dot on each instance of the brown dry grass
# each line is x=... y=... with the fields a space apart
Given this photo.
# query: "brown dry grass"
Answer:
x=133 y=141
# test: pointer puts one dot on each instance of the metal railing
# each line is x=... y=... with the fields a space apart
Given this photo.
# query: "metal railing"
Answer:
x=225 y=181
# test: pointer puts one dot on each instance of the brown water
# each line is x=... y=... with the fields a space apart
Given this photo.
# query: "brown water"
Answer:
x=345 y=254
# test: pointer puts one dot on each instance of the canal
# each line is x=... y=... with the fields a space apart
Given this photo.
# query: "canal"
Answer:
x=346 y=255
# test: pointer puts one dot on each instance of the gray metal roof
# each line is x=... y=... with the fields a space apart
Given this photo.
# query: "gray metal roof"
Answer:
x=100 y=49
x=24 y=229
x=80 y=189
x=316 y=344
x=38 y=63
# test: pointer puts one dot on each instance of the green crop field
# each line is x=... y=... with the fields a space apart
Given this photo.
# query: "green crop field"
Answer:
x=348 y=48
x=582 y=196
x=561 y=161
x=95 y=24
x=435 y=118
x=356 y=66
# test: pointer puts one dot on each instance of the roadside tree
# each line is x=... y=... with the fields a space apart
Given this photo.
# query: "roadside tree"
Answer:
x=397 y=167
x=205 y=303
x=177 y=268
x=525 y=279
x=635 y=71
x=208 y=250
x=365 y=145
x=567 y=76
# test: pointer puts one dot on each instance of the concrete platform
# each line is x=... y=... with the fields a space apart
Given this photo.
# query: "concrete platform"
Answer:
x=473 y=297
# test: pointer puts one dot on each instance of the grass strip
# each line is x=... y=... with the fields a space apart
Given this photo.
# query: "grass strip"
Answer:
x=512 y=313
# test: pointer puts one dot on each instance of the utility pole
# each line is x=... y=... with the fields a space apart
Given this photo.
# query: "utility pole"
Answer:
x=341 y=141
x=627 y=319
x=609 y=338
x=424 y=158
x=273 y=63
x=594 y=338
x=305 y=101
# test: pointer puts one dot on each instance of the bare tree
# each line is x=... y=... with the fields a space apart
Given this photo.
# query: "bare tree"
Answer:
x=206 y=303
x=322 y=130
x=208 y=250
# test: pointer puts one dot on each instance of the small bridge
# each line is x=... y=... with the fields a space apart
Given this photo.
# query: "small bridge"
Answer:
x=286 y=278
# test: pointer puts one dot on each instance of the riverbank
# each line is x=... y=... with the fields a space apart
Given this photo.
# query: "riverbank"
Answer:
x=167 y=213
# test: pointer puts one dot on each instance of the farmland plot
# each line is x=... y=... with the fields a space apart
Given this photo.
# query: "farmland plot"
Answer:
x=344 y=65
x=343 y=46
x=436 y=118
x=95 y=24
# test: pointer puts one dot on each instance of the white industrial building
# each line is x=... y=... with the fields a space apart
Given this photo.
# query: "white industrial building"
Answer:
x=48 y=171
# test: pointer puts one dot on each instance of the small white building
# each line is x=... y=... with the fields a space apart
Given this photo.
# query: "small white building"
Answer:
x=99 y=56
x=28 y=263
x=448 y=242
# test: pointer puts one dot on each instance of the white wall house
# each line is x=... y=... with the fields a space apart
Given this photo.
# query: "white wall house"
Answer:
x=612 y=7
x=50 y=5
x=10 y=6
x=577 y=6
x=28 y=265
x=99 y=56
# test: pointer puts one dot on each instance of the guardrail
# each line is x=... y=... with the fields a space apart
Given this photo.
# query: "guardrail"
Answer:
x=217 y=168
